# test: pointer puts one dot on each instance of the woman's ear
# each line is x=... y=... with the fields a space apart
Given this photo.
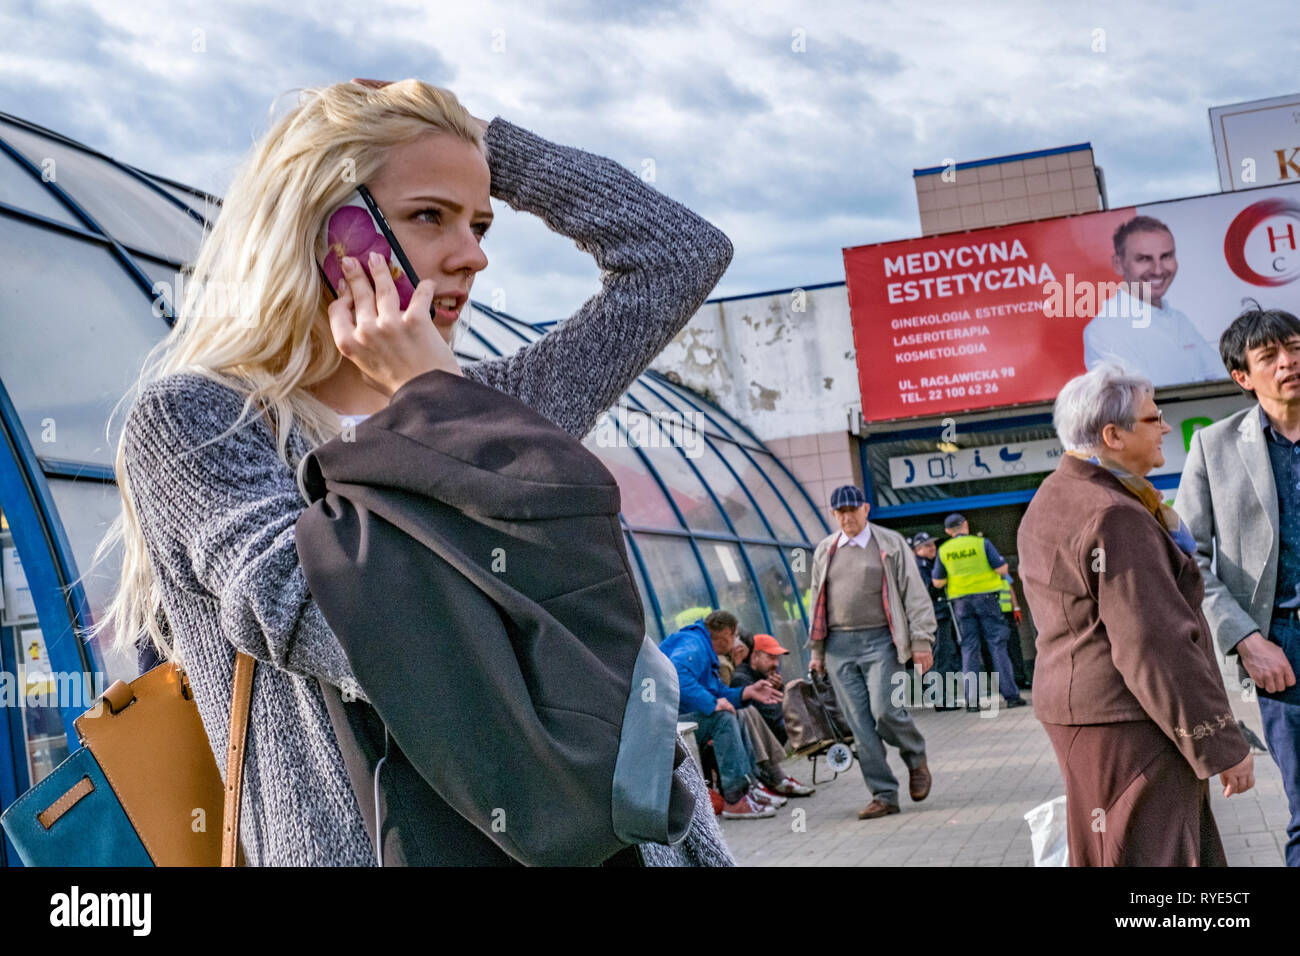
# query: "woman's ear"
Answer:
x=1112 y=437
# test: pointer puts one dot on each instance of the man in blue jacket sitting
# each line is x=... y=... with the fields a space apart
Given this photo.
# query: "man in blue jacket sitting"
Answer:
x=708 y=702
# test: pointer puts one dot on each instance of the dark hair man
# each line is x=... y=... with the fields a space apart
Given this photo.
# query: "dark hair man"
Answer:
x=1240 y=495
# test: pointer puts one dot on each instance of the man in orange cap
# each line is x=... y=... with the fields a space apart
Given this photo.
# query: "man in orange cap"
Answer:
x=764 y=664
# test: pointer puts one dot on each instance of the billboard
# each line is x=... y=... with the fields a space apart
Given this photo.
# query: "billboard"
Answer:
x=1007 y=315
x=1257 y=143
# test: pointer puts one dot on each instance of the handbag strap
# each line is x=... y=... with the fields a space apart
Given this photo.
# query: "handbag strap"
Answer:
x=241 y=697
x=240 y=700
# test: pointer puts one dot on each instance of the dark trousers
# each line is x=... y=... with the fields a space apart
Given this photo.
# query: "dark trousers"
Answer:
x=979 y=620
x=1131 y=799
x=734 y=760
x=947 y=655
x=1014 y=651
x=1282 y=731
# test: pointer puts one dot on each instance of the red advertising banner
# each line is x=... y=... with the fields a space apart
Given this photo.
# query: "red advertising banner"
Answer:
x=1007 y=315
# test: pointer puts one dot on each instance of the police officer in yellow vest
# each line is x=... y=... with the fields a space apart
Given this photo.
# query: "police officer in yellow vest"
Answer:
x=972 y=570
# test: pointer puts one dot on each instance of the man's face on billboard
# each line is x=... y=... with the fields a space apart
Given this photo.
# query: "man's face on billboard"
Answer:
x=1149 y=257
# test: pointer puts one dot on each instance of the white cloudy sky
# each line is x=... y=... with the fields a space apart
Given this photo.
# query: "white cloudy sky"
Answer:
x=794 y=154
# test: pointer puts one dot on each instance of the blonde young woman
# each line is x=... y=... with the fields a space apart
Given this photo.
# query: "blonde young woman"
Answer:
x=209 y=493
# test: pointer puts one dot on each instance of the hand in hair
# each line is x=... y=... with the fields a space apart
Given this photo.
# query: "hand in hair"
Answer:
x=389 y=346
x=380 y=84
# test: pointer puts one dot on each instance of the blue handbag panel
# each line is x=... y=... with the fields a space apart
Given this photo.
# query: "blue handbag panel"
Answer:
x=94 y=831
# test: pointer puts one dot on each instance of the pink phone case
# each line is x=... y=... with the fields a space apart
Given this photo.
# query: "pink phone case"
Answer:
x=357 y=229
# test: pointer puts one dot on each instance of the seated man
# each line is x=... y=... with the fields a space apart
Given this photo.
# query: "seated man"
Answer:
x=762 y=664
x=739 y=653
x=705 y=700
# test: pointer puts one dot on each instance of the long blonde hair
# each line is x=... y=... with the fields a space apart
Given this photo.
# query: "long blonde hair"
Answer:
x=253 y=309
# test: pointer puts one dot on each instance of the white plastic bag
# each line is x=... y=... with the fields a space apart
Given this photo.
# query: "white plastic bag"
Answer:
x=1047 y=833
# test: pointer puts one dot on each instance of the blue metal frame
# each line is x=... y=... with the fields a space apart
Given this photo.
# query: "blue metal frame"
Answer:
x=635 y=550
x=118 y=250
x=695 y=399
x=62 y=611
x=753 y=576
x=735 y=535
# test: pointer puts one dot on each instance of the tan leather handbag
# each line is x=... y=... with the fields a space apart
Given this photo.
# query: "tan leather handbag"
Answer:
x=149 y=741
x=143 y=789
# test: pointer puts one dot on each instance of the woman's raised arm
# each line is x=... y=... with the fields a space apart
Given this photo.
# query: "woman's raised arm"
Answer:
x=658 y=262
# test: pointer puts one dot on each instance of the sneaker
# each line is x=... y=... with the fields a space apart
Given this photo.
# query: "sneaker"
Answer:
x=760 y=794
x=716 y=799
x=746 y=809
x=1016 y=702
x=790 y=787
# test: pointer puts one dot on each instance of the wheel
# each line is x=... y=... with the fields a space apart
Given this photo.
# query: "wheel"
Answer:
x=839 y=758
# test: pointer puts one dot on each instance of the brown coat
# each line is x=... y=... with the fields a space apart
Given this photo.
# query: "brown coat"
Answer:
x=1118 y=609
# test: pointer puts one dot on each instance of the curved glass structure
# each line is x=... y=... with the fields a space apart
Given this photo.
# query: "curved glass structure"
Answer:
x=91 y=249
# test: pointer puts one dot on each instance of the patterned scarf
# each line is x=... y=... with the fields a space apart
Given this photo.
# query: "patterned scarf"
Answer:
x=1151 y=499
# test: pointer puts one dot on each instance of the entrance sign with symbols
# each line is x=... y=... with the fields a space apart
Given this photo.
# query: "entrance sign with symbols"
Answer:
x=1040 y=455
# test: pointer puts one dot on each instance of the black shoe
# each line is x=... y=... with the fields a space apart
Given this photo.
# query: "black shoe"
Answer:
x=1016 y=702
x=972 y=708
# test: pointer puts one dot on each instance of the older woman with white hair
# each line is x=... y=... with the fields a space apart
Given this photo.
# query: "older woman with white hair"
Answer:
x=1126 y=683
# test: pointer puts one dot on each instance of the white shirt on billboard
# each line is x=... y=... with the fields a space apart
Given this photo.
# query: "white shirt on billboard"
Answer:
x=1169 y=351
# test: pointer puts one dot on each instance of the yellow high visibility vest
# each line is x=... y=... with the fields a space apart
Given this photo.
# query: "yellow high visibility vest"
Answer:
x=967 y=567
x=1005 y=596
x=689 y=616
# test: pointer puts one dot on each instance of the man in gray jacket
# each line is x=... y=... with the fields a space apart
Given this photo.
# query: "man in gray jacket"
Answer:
x=871 y=612
x=1240 y=498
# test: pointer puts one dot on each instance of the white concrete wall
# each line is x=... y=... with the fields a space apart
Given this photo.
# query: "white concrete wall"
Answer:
x=783 y=364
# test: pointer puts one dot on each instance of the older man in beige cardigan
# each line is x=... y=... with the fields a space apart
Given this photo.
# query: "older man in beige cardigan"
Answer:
x=871 y=612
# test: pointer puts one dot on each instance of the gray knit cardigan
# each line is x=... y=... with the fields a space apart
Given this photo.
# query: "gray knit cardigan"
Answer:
x=219 y=521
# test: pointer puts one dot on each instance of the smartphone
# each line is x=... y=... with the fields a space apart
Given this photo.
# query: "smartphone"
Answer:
x=358 y=228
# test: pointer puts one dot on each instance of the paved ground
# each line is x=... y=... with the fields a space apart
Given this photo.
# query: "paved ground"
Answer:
x=988 y=772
